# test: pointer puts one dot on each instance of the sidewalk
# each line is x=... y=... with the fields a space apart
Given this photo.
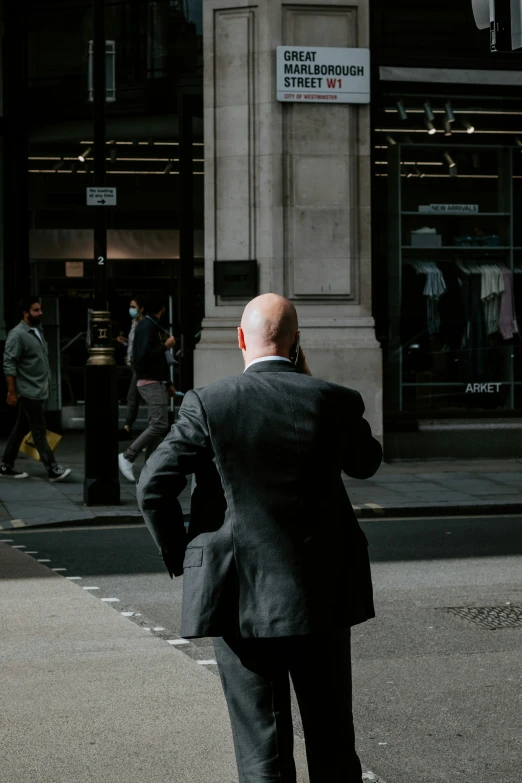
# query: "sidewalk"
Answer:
x=87 y=696
x=428 y=488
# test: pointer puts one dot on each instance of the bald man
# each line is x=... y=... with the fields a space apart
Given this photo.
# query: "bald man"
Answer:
x=275 y=565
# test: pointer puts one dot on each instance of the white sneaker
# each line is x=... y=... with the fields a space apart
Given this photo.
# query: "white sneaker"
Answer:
x=125 y=466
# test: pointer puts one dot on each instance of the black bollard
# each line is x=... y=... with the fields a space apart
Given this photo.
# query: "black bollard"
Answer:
x=101 y=484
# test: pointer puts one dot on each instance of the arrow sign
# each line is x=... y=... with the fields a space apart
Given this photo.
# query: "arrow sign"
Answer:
x=101 y=197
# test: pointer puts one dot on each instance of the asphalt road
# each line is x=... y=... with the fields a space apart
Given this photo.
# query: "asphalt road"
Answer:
x=438 y=696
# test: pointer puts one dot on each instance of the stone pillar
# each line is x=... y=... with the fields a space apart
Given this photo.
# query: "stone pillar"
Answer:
x=289 y=186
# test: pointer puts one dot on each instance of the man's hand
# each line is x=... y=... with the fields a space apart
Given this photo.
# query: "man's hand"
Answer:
x=12 y=398
x=171 y=390
x=170 y=342
x=121 y=339
x=301 y=364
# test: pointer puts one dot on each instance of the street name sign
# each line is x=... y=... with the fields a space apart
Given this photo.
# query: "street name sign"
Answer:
x=323 y=74
x=101 y=197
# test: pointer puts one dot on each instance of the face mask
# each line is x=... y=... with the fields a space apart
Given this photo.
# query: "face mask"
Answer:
x=133 y=312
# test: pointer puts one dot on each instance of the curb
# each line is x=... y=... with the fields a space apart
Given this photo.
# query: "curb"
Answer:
x=372 y=510
x=366 y=512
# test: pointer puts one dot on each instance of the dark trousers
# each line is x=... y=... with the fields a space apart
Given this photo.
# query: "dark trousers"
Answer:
x=133 y=401
x=255 y=676
x=30 y=417
x=156 y=398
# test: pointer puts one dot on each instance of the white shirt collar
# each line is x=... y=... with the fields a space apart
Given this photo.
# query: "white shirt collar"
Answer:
x=267 y=359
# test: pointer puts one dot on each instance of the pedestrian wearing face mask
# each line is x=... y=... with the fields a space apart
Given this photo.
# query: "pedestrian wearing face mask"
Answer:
x=153 y=382
x=28 y=375
x=136 y=308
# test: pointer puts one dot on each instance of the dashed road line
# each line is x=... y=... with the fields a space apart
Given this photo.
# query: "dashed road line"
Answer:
x=73 y=578
x=18 y=523
x=43 y=560
x=18 y=546
x=111 y=600
x=58 y=569
x=31 y=551
x=91 y=588
x=6 y=541
x=178 y=641
x=127 y=614
x=208 y=662
x=158 y=628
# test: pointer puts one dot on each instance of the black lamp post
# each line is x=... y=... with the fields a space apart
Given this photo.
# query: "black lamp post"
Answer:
x=101 y=484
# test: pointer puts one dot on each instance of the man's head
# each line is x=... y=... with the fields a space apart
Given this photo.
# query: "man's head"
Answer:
x=31 y=310
x=268 y=328
x=155 y=306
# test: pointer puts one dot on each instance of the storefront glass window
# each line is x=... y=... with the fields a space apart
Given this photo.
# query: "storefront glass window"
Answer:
x=455 y=278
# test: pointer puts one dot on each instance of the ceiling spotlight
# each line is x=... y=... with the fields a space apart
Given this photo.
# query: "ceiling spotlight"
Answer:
x=430 y=117
x=466 y=124
x=168 y=168
x=59 y=165
x=83 y=156
x=450 y=117
x=401 y=110
x=430 y=127
x=449 y=160
x=447 y=127
x=391 y=141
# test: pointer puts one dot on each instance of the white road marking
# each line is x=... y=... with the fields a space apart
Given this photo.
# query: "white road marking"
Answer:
x=207 y=663
x=18 y=523
x=58 y=569
x=158 y=628
x=178 y=641
x=6 y=540
x=127 y=614
x=31 y=551
x=91 y=588
x=111 y=600
x=43 y=560
x=74 y=577
x=146 y=629
x=18 y=546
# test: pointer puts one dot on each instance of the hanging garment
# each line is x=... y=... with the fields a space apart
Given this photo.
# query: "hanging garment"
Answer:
x=434 y=288
x=508 y=317
x=491 y=291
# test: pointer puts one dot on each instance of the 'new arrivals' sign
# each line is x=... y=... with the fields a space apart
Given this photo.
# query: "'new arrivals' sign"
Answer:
x=311 y=74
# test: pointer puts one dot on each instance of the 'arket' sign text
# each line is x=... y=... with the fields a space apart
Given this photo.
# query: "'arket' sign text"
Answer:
x=323 y=74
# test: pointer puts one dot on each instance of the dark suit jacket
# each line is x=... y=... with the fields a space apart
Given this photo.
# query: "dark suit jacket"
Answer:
x=273 y=547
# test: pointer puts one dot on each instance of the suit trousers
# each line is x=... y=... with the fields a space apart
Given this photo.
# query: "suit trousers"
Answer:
x=255 y=674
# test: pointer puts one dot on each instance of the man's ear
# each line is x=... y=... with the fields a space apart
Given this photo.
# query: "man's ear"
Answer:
x=241 y=339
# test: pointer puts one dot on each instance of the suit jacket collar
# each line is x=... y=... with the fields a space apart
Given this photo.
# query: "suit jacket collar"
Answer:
x=271 y=366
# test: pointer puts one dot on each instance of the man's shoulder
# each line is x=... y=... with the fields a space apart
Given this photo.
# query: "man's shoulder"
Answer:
x=308 y=383
x=16 y=331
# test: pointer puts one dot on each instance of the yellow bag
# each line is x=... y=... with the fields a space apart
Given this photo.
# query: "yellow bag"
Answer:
x=29 y=448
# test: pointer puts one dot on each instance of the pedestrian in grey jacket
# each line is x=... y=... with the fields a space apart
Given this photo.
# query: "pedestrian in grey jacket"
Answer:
x=275 y=565
x=27 y=372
